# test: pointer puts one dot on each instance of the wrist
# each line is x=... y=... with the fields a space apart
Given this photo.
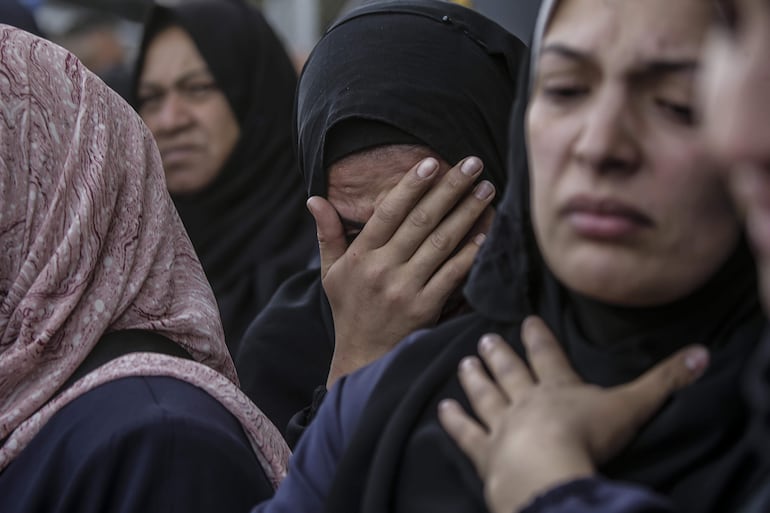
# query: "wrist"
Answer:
x=505 y=494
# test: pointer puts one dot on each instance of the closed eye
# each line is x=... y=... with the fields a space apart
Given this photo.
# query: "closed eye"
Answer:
x=681 y=112
x=351 y=228
x=563 y=94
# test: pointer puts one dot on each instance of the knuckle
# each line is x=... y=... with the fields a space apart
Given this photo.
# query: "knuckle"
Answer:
x=387 y=213
x=453 y=272
x=374 y=274
x=441 y=241
x=419 y=218
x=394 y=295
x=456 y=182
x=420 y=315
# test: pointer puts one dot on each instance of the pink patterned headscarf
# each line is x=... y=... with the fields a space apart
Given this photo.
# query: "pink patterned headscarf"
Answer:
x=90 y=243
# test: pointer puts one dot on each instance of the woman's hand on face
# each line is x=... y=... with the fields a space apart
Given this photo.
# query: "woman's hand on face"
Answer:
x=398 y=273
x=542 y=425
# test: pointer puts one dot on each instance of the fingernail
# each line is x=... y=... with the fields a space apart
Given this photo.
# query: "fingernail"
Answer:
x=471 y=166
x=480 y=238
x=427 y=167
x=483 y=190
x=486 y=344
x=309 y=204
x=467 y=363
x=696 y=359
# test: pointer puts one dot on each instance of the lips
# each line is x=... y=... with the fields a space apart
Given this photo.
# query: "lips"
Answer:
x=176 y=155
x=603 y=218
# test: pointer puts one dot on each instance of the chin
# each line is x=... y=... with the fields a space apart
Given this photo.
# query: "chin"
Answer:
x=184 y=182
x=610 y=279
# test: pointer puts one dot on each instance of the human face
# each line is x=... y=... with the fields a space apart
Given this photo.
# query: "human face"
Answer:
x=188 y=114
x=736 y=93
x=359 y=182
x=627 y=207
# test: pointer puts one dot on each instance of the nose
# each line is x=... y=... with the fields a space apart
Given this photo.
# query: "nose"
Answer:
x=173 y=115
x=605 y=142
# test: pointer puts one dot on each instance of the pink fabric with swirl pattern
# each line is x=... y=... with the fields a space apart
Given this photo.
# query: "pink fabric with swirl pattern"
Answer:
x=90 y=243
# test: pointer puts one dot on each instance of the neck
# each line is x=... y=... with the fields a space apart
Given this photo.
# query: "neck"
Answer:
x=700 y=316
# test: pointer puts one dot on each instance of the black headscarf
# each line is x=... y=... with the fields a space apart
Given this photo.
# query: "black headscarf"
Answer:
x=250 y=226
x=695 y=449
x=403 y=64
x=389 y=73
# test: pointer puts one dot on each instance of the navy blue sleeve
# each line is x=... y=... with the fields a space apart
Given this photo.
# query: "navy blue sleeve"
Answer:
x=598 y=495
x=314 y=463
x=136 y=445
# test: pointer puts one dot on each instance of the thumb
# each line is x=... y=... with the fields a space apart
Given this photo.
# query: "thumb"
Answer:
x=641 y=398
x=331 y=234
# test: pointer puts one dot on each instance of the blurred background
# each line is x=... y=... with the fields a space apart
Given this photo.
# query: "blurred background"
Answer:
x=105 y=34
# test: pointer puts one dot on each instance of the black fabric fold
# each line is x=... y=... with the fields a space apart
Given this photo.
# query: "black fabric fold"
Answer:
x=404 y=64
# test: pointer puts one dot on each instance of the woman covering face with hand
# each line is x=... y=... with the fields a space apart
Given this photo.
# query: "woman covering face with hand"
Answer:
x=396 y=242
x=617 y=231
x=117 y=393
x=219 y=104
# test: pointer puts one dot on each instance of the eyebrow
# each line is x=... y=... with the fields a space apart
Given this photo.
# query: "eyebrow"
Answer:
x=565 y=51
x=190 y=75
x=655 y=67
x=667 y=67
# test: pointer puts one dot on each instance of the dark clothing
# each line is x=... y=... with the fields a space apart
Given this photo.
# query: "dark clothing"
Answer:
x=597 y=495
x=288 y=348
x=250 y=227
x=401 y=459
x=436 y=72
x=156 y=444
x=695 y=450
x=313 y=464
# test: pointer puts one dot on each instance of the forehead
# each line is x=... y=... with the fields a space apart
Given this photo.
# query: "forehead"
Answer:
x=171 y=54
x=368 y=171
x=633 y=30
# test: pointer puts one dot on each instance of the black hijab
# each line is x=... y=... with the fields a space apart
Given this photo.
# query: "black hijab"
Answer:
x=250 y=226
x=695 y=450
x=402 y=64
x=390 y=73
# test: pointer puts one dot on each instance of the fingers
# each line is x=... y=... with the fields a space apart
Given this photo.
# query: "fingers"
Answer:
x=465 y=431
x=330 y=232
x=644 y=396
x=508 y=370
x=485 y=397
x=545 y=356
x=421 y=221
x=445 y=238
x=451 y=275
x=398 y=204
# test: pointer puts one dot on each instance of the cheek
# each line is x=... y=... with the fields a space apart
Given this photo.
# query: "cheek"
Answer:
x=548 y=142
x=223 y=133
x=688 y=186
x=716 y=88
x=701 y=223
